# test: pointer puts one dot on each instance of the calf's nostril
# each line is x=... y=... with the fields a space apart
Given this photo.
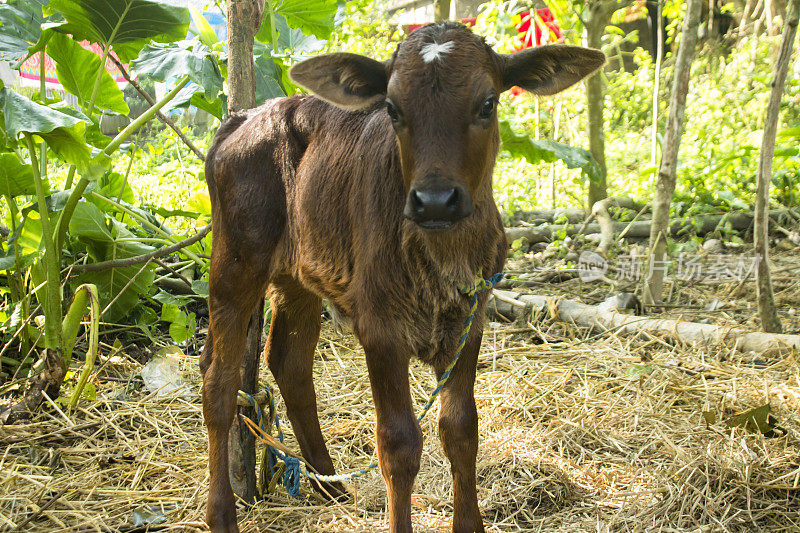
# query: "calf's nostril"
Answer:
x=416 y=202
x=452 y=200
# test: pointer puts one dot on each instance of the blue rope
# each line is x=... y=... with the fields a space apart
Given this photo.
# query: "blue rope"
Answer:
x=293 y=467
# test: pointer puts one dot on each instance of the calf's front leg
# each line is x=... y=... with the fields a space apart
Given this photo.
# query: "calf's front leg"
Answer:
x=458 y=430
x=398 y=434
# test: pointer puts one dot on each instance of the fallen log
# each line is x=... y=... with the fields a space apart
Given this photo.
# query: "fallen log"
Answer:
x=641 y=229
x=513 y=304
x=538 y=216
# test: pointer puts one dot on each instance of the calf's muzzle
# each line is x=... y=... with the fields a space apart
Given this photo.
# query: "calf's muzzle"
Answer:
x=437 y=203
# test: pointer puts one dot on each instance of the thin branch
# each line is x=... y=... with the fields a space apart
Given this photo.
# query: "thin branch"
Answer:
x=161 y=116
x=165 y=266
x=129 y=261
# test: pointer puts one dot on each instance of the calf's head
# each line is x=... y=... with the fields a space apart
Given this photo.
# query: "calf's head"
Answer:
x=440 y=91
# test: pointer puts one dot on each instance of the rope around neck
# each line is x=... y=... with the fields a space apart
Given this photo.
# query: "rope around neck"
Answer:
x=290 y=477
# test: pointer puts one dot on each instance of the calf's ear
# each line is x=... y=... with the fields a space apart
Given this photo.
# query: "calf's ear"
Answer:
x=349 y=81
x=550 y=69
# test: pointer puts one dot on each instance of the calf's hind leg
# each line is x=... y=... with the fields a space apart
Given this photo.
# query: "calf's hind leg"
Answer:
x=293 y=336
x=235 y=290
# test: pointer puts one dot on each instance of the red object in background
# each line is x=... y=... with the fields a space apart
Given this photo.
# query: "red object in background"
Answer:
x=466 y=22
x=529 y=38
x=535 y=37
x=29 y=71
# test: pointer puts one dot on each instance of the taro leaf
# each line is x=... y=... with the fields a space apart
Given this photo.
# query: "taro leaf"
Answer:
x=182 y=325
x=114 y=185
x=190 y=95
x=129 y=247
x=200 y=202
x=167 y=213
x=110 y=284
x=757 y=420
x=295 y=40
x=124 y=25
x=204 y=30
x=21 y=23
x=200 y=287
x=162 y=62
x=8 y=259
x=315 y=17
x=268 y=83
x=28 y=237
x=216 y=107
x=89 y=222
x=538 y=151
x=77 y=68
x=103 y=245
x=16 y=177
x=165 y=299
x=63 y=133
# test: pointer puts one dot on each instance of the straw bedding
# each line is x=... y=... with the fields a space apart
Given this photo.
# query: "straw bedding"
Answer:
x=579 y=432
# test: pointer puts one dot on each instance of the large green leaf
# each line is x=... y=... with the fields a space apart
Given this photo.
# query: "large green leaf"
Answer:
x=124 y=25
x=296 y=40
x=21 y=23
x=77 y=69
x=102 y=234
x=16 y=177
x=190 y=95
x=268 y=83
x=539 y=151
x=162 y=62
x=314 y=17
x=204 y=30
x=89 y=222
x=110 y=284
x=64 y=133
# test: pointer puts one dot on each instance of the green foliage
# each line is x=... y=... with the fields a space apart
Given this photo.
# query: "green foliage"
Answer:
x=126 y=26
x=63 y=132
x=77 y=69
x=163 y=62
x=313 y=17
x=21 y=22
x=537 y=151
x=16 y=177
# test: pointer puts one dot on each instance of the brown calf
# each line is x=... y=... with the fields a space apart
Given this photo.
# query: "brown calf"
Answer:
x=377 y=196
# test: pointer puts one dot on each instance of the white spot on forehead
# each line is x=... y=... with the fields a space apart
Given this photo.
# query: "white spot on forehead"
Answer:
x=432 y=51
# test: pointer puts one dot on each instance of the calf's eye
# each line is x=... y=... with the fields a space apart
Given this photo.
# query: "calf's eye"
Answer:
x=487 y=108
x=392 y=112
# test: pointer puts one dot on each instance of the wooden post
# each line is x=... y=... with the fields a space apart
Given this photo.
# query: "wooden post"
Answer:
x=244 y=19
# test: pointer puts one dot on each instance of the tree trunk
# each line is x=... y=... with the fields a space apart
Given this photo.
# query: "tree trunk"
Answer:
x=665 y=185
x=766 y=299
x=244 y=19
x=657 y=85
x=596 y=23
x=441 y=10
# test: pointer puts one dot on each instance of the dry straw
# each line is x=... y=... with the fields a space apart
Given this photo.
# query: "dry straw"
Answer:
x=578 y=433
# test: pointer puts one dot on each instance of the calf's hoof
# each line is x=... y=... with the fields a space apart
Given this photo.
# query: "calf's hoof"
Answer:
x=221 y=518
x=335 y=492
